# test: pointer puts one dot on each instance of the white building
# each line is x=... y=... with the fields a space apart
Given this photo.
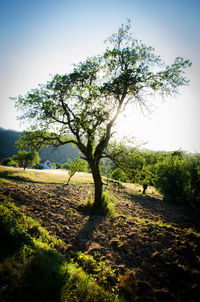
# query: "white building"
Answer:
x=46 y=164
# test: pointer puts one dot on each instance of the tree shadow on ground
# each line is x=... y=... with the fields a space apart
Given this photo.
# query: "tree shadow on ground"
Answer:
x=84 y=240
x=169 y=211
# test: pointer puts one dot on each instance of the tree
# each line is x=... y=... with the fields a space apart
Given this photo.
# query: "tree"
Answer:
x=27 y=159
x=82 y=107
x=77 y=165
x=135 y=163
x=58 y=165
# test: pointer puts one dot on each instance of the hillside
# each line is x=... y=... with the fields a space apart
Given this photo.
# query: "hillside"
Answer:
x=151 y=246
x=7 y=148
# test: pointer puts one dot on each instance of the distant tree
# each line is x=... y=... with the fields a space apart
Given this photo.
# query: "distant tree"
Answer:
x=77 y=165
x=58 y=165
x=27 y=159
x=82 y=107
x=65 y=166
x=106 y=166
x=135 y=163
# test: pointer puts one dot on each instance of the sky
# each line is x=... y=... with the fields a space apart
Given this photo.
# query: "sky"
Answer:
x=41 y=38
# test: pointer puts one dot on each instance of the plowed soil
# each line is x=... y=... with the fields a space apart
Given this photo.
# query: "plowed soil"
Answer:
x=147 y=242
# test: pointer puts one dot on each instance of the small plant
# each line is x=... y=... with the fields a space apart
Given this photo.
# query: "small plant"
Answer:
x=107 y=208
x=89 y=201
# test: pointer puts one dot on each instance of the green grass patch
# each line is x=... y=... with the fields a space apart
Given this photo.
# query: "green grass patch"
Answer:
x=192 y=231
x=107 y=206
x=35 y=266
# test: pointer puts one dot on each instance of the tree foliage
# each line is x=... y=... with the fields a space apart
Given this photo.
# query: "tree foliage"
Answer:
x=77 y=165
x=27 y=159
x=9 y=162
x=178 y=179
x=82 y=107
x=134 y=162
x=118 y=174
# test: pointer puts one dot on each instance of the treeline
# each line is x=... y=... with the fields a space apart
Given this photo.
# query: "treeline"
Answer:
x=174 y=174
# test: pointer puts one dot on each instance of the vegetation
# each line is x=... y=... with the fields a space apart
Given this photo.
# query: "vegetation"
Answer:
x=135 y=165
x=107 y=208
x=178 y=179
x=8 y=148
x=44 y=176
x=27 y=159
x=9 y=162
x=148 y=245
x=119 y=174
x=176 y=174
x=83 y=106
x=77 y=165
x=33 y=262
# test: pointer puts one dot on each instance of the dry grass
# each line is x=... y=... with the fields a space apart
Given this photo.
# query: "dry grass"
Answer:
x=135 y=188
x=44 y=176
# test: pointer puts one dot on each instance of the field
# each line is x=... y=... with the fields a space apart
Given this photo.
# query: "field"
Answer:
x=146 y=251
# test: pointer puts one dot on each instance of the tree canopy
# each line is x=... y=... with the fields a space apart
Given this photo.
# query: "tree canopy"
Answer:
x=82 y=107
x=27 y=159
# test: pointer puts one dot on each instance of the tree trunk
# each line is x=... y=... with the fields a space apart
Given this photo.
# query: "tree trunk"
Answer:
x=69 y=180
x=98 y=184
x=144 y=188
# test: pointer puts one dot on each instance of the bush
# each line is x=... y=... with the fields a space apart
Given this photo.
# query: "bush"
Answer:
x=65 y=166
x=178 y=179
x=57 y=165
x=9 y=162
x=193 y=187
x=171 y=178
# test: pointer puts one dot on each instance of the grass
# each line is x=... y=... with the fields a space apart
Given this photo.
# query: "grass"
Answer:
x=135 y=188
x=35 y=266
x=107 y=208
x=44 y=176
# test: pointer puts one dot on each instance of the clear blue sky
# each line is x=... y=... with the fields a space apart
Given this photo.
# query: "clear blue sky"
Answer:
x=43 y=37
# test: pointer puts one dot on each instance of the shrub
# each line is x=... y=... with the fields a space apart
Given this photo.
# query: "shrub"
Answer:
x=193 y=186
x=9 y=162
x=178 y=179
x=171 y=178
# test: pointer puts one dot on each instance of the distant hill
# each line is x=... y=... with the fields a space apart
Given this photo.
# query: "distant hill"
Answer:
x=8 y=149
